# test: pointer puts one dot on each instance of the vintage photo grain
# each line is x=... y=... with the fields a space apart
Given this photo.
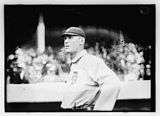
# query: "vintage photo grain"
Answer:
x=80 y=58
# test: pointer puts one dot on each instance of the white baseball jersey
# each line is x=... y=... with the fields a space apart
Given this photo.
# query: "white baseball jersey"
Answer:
x=89 y=75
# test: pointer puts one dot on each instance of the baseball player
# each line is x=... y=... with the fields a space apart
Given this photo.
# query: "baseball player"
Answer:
x=91 y=84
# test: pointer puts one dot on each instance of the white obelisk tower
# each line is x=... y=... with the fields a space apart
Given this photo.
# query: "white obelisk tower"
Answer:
x=41 y=36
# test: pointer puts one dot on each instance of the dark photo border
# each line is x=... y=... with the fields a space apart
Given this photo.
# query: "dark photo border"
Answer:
x=137 y=21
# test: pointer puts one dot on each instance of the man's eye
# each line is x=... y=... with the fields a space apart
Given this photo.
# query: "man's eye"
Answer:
x=64 y=38
x=68 y=37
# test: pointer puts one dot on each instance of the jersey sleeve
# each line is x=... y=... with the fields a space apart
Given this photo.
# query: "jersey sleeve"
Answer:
x=104 y=73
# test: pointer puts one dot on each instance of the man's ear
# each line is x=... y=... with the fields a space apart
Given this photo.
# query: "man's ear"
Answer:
x=82 y=40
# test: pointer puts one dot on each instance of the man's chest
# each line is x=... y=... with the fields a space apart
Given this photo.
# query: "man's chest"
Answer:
x=83 y=71
x=78 y=74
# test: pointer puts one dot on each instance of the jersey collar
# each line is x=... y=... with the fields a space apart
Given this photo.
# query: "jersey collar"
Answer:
x=79 y=56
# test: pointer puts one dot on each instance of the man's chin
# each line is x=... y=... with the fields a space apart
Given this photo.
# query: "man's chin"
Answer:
x=67 y=51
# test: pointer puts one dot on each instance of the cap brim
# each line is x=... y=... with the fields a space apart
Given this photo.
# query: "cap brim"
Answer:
x=65 y=34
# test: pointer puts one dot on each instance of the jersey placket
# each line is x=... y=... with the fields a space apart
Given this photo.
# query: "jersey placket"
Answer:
x=74 y=73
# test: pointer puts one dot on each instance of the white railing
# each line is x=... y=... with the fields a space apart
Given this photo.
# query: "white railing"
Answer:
x=52 y=92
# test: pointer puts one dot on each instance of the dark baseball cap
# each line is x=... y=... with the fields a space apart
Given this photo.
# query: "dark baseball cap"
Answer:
x=74 y=31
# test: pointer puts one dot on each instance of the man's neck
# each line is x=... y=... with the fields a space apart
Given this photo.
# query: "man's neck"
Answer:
x=73 y=55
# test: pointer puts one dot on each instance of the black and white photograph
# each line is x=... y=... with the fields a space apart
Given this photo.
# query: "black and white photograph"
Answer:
x=80 y=58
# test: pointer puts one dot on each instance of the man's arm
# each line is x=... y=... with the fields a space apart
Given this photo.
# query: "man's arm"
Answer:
x=109 y=86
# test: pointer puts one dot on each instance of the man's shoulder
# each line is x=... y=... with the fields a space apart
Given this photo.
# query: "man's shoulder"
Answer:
x=93 y=58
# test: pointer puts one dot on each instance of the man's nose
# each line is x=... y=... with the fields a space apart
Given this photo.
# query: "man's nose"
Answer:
x=66 y=40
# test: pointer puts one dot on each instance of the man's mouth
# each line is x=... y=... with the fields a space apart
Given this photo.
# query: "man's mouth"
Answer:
x=66 y=46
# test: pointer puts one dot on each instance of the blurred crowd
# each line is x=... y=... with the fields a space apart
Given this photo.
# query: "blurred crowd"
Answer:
x=127 y=59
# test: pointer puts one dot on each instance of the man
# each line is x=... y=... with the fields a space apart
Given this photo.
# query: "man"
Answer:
x=90 y=82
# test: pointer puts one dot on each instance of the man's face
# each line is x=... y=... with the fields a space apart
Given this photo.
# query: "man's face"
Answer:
x=72 y=43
